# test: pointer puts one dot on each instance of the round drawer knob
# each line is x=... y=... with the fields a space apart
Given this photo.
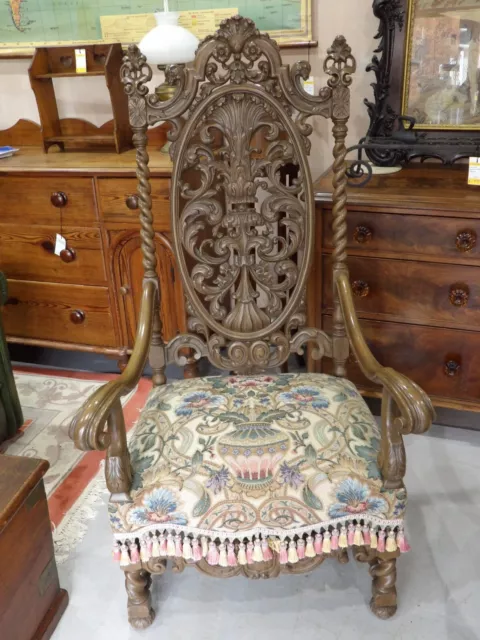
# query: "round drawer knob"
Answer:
x=125 y=290
x=68 y=255
x=59 y=199
x=360 y=288
x=466 y=240
x=132 y=202
x=77 y=316
x=362 y=234
x=459 y=295
x=451 y=368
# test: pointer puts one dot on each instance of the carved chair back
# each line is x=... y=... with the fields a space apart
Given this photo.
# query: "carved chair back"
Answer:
x=243 y=237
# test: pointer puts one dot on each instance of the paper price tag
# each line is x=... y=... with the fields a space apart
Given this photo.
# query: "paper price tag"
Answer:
x=309 y=86
x=60 y=244
x=474 y=171
x=81 y=60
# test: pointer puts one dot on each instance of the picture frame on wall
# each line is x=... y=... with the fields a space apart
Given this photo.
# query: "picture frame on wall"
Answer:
x=427 y=80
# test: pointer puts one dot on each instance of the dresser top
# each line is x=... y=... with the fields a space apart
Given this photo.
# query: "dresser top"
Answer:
x=426 y=186
x=34 y=160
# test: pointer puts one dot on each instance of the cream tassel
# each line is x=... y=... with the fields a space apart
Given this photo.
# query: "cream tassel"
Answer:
x=309 y=549
x=373 y=539
x=391 y=544
x=342 y=540
x=204 y=546
x=327 y=547
x=163 y=546
x=223 y=560
x=292 y=552
x=155 y=546
x=257 y=551
x=357 y=536
x=187 y=549
x=144 y=556
x=242 y=556
x=170 y=546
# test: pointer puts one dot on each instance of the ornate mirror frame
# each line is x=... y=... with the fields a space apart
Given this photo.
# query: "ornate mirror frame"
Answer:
x=403 y=142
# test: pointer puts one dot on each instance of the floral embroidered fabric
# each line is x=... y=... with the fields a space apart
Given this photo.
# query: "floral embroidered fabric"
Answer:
x=233 y=457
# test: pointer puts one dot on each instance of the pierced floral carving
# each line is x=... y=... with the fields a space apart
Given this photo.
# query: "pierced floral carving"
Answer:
x=243 y=236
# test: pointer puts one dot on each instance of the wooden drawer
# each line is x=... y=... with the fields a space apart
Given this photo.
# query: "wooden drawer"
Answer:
x=408 y=236
x=28 y=254
x=28 y=200
x=417 y=292
x=59 y=312
x=114 y=193
x=445 y=363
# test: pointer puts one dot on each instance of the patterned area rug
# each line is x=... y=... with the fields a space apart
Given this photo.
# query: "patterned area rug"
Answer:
x=74 y=482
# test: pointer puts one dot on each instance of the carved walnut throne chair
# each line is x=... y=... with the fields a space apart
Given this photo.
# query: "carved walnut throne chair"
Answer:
x=250 y=473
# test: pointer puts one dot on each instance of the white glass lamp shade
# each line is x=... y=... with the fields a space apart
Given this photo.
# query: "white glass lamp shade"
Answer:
x=168 y=42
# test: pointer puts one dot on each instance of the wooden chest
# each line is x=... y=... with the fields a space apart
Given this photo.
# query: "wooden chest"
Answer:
x=31 y=601
x=414 y=259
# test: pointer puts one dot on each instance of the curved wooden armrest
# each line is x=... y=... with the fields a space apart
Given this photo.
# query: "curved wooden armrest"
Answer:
x=406 y=408
x=415 y=409
x=87 y=429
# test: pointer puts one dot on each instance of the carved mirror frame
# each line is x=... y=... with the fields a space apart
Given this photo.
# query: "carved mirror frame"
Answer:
x=385 y=111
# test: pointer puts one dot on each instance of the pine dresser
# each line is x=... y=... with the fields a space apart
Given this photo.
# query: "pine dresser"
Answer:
x=414 y=259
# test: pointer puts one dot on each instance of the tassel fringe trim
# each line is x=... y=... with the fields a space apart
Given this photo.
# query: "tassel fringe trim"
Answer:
x=230 y=552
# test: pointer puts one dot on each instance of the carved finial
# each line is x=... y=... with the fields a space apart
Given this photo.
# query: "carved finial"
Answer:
x=340 y=63
x=135 y=74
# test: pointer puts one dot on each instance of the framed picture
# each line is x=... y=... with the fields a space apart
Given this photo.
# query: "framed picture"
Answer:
x=427 y=67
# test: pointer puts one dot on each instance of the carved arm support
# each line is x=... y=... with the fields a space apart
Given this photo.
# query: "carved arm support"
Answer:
x=406 y=408
x=99 y=424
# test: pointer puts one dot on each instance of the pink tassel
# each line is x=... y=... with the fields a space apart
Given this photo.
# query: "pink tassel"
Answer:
x=178 y=547
x=250 y=552
x=266 y=551
x=150 y=547
x=196 y=550
x=204 y=547
x=301 y=549
x=124 y=557
x=351 y=535
x=402 y=542
x=283 y=555
x=134 y=555
x=334 y=542
x=116 y=552
x=213 y=556
x=318 y=544
x=231 y=557
x=381 y=541
x=163 y=546
x=366 y=536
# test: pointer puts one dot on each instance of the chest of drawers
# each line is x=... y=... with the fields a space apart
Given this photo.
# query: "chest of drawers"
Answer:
x=414 y=261
x=87 y=298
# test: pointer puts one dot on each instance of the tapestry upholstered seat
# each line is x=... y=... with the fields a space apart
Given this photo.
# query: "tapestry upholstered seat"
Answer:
x=254 y=472
x=265 y=460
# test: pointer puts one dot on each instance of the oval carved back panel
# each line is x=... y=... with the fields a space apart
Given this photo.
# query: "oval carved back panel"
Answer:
x=243 y=234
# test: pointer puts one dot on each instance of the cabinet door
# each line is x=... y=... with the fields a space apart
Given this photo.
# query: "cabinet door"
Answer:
x=126 y=264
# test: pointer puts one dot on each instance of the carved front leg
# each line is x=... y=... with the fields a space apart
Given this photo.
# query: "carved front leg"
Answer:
x=140 y=612
x=384 y=594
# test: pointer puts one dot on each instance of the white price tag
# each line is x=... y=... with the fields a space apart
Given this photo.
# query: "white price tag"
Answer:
x=474 y=171
x=60 y=244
